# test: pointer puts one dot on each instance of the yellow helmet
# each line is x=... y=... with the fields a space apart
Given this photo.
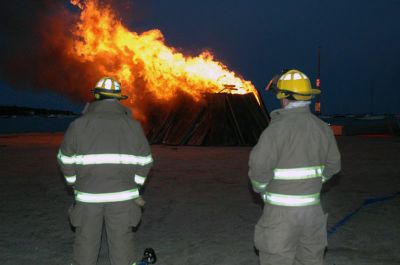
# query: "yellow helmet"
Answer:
x=295 y=85
x=109 y=87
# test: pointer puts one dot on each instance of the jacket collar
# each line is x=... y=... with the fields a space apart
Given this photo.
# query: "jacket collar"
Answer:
x=283 y=112
x=297 y=104
x=106 y=105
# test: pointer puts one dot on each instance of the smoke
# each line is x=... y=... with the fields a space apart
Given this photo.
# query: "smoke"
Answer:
x=33 y=51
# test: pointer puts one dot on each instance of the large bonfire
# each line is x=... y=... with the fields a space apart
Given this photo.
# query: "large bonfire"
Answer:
x=149 y=70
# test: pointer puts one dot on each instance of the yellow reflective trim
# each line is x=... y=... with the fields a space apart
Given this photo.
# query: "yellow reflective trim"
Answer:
x=70 y=179
x=140 y=180
x=324 y=179
x=112 y=159
x=96 y=159
x=65 y=159
x=106 y=197
x=298 y=173
x=259 y=185
x=291 y=200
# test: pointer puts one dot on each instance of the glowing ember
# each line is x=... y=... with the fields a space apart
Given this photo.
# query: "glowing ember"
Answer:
x=143 y=63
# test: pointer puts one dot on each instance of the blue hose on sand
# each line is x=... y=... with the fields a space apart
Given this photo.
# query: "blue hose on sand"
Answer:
x=366 y=202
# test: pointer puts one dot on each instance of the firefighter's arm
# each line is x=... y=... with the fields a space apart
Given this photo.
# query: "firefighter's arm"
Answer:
x=332 y=164
x=262 y=162
x=144 y=152
x=66 y=155
x=142 y=170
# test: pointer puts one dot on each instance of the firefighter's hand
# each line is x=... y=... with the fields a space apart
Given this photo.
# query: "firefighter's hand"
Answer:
x=139 y=201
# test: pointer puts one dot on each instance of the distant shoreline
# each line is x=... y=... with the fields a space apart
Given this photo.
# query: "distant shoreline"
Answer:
x=12 y=111
x=26 y=120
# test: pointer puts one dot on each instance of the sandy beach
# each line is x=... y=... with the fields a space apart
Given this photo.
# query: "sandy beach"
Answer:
x=200 y=208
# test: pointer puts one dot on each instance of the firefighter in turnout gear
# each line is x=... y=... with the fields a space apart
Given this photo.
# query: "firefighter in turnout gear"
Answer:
x=294 y=156
x=106 y=157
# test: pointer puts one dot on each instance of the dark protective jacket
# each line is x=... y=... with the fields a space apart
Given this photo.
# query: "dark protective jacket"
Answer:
x=295 y=154
x=105 y=154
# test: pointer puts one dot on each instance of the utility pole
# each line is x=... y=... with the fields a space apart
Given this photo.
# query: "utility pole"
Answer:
x=371 y=92
x=318 y=82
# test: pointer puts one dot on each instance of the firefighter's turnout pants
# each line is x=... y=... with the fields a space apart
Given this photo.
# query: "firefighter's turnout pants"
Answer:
x=119 y=219
x=291 y=235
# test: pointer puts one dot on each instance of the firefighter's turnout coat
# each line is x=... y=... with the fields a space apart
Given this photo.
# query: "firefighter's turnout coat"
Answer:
x=106 y=157
x=293 y=157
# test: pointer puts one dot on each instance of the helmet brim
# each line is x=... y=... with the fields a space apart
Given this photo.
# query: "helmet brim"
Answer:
x=281 y=94
x=312 y=92
x=109 y=94
x=315 y=91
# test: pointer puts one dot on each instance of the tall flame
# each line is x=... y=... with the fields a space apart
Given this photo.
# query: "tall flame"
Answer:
x=143 y=63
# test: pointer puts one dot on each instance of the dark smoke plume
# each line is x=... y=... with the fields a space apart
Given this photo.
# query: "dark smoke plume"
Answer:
x=33 y=54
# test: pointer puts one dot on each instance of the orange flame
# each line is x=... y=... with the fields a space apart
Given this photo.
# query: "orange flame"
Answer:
x=143 y=63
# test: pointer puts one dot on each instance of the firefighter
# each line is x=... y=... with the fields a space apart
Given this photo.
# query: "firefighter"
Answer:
x=106 y=157
x=294 y=156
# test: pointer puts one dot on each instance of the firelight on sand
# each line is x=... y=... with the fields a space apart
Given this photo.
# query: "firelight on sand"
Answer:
x=143 y=63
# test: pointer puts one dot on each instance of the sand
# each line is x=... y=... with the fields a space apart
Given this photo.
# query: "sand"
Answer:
x=200 y=208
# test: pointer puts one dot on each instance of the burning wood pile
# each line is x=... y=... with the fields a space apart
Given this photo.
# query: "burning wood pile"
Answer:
x=219 y=119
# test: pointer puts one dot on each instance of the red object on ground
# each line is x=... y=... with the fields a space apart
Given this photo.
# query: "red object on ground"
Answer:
x=337 y=129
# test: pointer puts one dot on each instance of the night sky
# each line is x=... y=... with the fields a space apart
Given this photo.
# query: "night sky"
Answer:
x=359 y=40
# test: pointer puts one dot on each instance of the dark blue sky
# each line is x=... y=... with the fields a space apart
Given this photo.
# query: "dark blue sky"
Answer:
x=360 y=46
